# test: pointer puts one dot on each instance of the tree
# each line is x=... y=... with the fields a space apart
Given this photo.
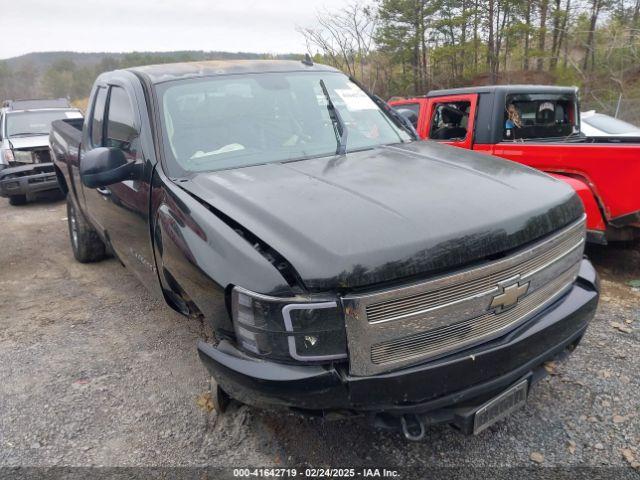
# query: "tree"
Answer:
x=542 y=33
x=527 y=35
x=345 y=38
x=596 y=6
x=58 y=80
x=6 y=79
x=405 y=29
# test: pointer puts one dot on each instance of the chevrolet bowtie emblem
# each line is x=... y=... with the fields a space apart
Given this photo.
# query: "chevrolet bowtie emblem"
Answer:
x=510 y=292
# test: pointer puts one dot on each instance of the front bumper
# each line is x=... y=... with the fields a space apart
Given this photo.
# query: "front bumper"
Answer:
x=442 y=390
x=27 y=179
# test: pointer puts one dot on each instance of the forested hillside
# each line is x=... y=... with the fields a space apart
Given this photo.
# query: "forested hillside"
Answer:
x=71 y=74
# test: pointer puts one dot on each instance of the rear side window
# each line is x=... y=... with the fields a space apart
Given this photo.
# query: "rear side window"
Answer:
x=97 y=117
x=121 y=125
x=531 y=116
x=449 y=121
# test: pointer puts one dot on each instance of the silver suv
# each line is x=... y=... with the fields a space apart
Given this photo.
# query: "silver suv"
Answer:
x=25 y=162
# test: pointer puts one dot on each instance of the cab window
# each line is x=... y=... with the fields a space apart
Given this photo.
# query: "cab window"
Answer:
x=121 y=126
x=539 y=116
x=449 y=121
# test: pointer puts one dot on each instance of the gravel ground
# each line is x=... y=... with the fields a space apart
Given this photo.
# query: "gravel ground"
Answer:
x=93 y=371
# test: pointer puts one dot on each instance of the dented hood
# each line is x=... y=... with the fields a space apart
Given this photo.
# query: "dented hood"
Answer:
x=389 y=213
x=30 y=142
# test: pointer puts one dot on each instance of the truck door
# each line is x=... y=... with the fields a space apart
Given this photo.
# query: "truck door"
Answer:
x=122 y=209
x=451 y=119
x=94 y=201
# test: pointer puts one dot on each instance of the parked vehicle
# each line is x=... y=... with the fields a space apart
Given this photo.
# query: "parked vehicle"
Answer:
x=25 y=164
x=594 y=124
x=539 y=126
x=344 y=266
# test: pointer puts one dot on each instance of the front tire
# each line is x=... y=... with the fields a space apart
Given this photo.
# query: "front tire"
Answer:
x=17 y=200
x=221 y=399
x=87 y=246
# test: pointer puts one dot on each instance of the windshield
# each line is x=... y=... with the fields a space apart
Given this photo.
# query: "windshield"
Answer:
x=235 y=121
x=35 y=122
x=610 y=125
x=539 y=116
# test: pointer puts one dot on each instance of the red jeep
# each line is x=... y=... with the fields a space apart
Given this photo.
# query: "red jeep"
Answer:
x=540 y=127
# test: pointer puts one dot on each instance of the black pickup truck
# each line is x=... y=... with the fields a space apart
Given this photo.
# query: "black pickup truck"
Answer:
x=343 y=265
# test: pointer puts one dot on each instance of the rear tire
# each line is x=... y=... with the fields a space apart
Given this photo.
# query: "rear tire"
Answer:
x=17 y=200
x=87 y=246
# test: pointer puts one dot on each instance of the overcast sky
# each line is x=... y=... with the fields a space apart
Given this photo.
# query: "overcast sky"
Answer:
x=125 y=25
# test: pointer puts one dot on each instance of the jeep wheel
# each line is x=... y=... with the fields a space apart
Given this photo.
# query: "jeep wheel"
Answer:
x=85 y=242
x=18 y=199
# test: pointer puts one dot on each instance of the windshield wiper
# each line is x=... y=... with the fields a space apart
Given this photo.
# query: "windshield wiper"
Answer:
x=399 y=119
x=339 y=127
x=395 y=117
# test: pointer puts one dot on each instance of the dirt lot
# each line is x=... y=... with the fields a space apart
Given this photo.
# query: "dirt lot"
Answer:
x=94 y=372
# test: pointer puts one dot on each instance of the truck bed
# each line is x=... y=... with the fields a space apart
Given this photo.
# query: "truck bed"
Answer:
x=611 y=170
x=623 y=140
x=70 y=129
x=65 y=138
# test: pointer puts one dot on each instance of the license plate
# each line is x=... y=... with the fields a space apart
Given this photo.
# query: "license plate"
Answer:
x=499 y=407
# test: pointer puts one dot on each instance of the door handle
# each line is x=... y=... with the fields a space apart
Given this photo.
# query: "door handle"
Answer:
x=103 y=191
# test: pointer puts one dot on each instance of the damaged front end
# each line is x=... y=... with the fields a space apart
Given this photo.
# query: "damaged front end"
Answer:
x=27 y=172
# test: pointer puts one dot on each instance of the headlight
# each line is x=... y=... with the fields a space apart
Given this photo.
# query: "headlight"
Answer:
x=7 y=156
x=23 y=156
x=288 y=329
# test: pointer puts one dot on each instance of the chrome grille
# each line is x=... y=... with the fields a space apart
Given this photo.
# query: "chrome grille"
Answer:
x=403 y=326
x=393 y=309
x=459 y=334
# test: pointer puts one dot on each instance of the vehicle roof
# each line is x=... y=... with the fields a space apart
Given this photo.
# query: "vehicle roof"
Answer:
x=503 y=89
x=36 y=104
x=21 y=110
x=176 y=71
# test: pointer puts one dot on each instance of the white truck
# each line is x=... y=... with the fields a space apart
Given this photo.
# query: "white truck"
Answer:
x=26 y=166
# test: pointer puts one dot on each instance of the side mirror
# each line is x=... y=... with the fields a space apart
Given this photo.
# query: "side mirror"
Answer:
x=105 y=166
x=410 y=117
